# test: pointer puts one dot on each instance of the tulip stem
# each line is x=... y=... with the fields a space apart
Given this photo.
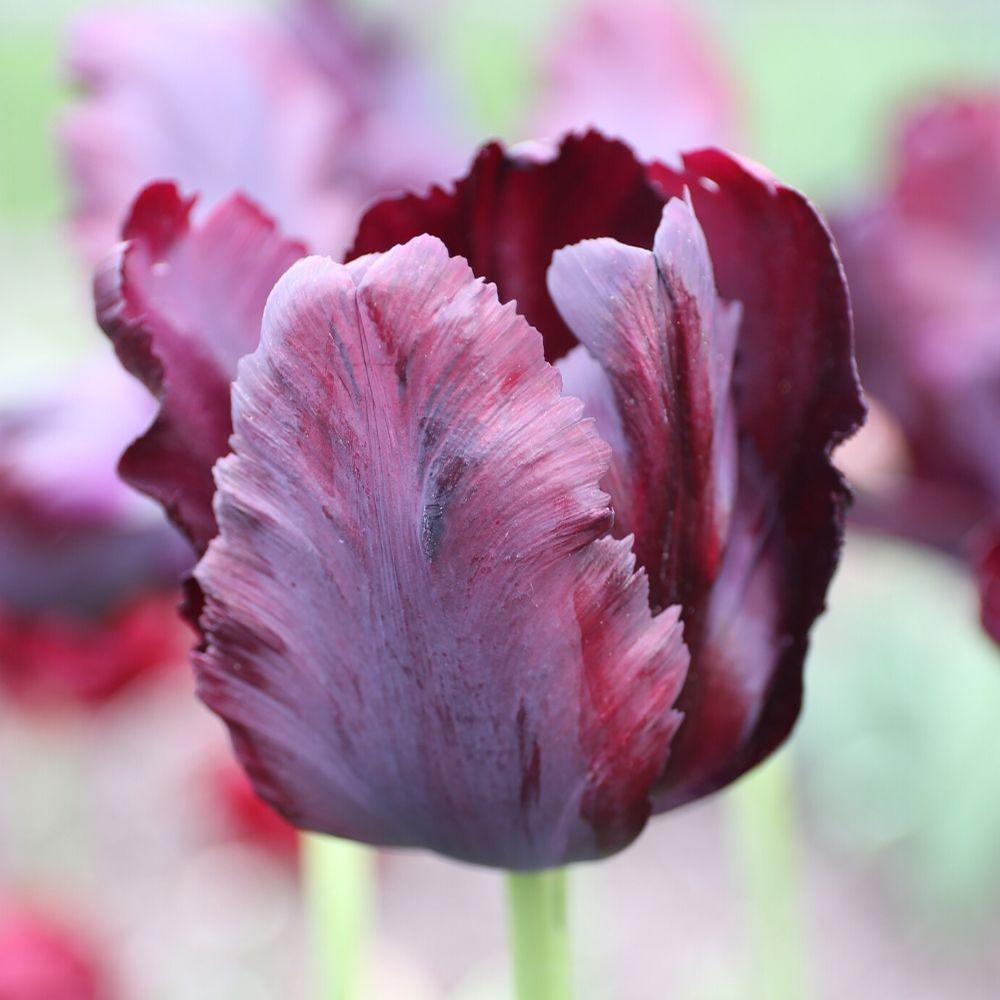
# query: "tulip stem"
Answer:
x=338 y=878
x=539 y=937
x=765 y=825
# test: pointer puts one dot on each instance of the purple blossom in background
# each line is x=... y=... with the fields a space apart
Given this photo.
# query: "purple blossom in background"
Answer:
x=308 y=113
x=88 y=567
x=313 y=113
x=923 y=261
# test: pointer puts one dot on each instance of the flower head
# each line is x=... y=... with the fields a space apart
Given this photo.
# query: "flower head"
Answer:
x=500 y=569
x=88 y=568
x=923 y=262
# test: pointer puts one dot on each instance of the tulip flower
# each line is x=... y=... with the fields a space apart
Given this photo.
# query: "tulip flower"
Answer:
x=88 y=568
x=308 y=113
x=44 y=959
x=500 y=569
x=923 y=261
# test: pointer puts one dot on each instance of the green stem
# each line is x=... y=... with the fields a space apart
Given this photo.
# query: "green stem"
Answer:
x=539 y=936
x=338 y=878
x=766 y=829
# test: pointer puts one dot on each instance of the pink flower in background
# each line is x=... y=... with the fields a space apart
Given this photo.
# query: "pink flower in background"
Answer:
x=311 y=114
x=644 y=70
x=923 y=261
x=88 y=568
x=438 y=607
x=42 y=958
x=246 y=816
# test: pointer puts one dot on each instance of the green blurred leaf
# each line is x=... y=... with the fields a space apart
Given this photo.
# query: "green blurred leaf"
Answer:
x=32 y=92
x=901 y=735
x=824 y=80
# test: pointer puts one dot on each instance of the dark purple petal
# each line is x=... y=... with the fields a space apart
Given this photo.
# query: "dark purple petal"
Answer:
x=929 y=350
x=89 y=569
x=416 y=627
x=182 y=303
x=640 y=70
x=796 y=395
x=513 y=210
x=82 y=570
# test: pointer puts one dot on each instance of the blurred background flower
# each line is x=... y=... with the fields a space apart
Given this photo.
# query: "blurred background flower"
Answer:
x=45 y=956
x=923 y=261
x=110 y=811
x=89 y=570
x=306 y=109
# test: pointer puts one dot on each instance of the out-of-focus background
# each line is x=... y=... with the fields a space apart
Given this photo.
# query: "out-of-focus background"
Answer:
x=111 y=815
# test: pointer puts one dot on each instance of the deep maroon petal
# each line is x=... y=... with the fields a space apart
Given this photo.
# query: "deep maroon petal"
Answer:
x=416 y=627
x=926 y=302
x=796 y=395
x=182 y=303
x=640 y=70
x=513 y=210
